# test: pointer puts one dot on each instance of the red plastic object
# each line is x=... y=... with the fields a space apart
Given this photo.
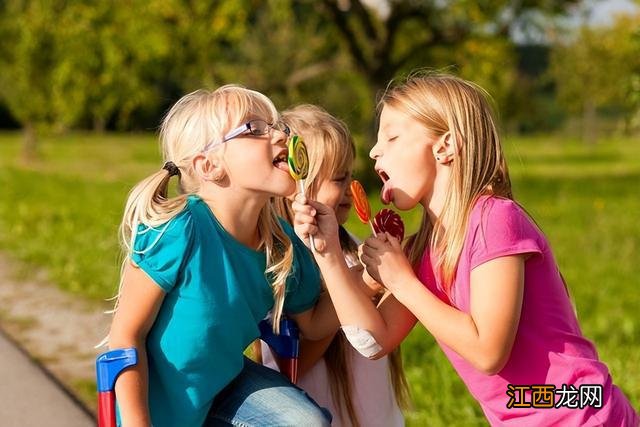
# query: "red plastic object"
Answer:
x=107 y=409
x=109 y=366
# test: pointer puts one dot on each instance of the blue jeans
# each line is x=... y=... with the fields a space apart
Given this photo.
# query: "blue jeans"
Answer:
x=260 y=396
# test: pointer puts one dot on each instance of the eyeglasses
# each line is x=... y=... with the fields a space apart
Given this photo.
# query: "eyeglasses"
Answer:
x=256 y=127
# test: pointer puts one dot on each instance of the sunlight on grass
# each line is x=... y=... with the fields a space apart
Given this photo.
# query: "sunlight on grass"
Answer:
x=61 y=213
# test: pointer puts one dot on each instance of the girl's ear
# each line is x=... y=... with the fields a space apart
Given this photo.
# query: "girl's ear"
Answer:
x=445 y=149
x=208 y=169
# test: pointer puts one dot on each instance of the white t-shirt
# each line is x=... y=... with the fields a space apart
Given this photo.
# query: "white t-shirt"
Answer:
x=373 y=397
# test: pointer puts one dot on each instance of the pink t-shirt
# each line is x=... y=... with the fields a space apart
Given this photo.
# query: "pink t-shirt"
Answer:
x=549 y=348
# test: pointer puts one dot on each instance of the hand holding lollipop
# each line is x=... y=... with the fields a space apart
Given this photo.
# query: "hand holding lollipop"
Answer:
x=298 y=160
x=361 y=203
x=388 y=221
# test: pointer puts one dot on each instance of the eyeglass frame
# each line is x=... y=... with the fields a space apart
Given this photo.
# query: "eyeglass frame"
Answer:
x=247 y=127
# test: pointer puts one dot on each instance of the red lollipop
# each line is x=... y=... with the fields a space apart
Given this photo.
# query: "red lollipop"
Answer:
x=388 y=221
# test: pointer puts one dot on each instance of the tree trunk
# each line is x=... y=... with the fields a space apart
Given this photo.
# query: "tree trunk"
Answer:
x=29 y=142
x=589 y=122
x=99 y=125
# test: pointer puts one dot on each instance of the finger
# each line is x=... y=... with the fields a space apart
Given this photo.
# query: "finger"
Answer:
x=301 y=199
x=303 y=208
x=321 y=208
x=394 y=242
x=307 y=230
x=301 y=218
x=376 y=242
x=371 y=248
x=371 y=258
x=368 y=251
x=366 y=260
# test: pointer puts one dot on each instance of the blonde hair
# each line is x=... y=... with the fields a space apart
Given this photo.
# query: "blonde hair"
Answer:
x=445 y=103
x=332 y=152
x=197 y=121
x=329 y=145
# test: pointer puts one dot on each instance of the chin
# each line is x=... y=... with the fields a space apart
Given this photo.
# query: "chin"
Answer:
x=404 y=203
x=279 y=188
x=288 y=191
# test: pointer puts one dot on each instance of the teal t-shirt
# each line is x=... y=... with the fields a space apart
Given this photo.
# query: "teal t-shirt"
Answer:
x=216 y=295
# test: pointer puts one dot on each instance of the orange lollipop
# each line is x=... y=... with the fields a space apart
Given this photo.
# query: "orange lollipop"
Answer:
x=361 y=203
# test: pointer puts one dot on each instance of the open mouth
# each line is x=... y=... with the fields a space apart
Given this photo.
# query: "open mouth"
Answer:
x=280 y=162
x=386 y=194
x=383 y=175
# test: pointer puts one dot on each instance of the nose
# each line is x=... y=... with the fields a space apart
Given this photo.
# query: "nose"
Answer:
x=375 y=152
x=278 y=137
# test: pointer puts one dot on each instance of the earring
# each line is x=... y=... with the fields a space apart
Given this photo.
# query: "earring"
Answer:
x=438 y=158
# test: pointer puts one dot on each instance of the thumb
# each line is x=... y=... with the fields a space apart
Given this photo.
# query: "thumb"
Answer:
x=320 y=208
x=393 y=241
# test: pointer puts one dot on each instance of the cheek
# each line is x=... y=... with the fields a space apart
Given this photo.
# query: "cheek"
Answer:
x=329 y=195
x=416 y=174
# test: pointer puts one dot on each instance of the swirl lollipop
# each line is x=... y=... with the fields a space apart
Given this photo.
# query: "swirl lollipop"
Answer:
x=388 y=221
x=361 y=203
x=298 y=160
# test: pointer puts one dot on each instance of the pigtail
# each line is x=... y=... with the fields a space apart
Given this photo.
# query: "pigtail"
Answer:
x=149 y=205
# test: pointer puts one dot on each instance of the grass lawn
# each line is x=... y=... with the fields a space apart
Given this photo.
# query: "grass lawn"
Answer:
x=62 y=213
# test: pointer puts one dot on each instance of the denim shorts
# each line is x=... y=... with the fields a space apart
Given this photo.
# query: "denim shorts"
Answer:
x=260 y=396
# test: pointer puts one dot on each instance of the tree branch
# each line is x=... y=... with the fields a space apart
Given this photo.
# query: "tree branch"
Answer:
x=364 y=16
x=340 y=20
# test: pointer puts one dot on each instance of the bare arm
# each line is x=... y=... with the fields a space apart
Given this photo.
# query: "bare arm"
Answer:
x=318 y=322
x=312 y=351
x=485 y=336
x=353 y=307
x=138 y=307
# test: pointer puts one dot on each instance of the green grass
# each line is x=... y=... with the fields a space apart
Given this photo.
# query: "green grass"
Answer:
x=62 y=212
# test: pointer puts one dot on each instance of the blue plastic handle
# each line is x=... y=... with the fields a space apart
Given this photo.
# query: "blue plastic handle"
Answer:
x=287 y=344
x=110 y=364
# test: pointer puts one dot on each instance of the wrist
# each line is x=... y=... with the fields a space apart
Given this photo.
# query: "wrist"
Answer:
x=404 y=290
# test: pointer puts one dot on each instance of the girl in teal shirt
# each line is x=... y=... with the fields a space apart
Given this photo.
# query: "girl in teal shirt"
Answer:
x=204 y=267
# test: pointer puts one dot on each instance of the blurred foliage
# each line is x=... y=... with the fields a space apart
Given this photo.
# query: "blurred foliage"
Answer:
x=75 y=64
x=105 y=65
x=598 y=68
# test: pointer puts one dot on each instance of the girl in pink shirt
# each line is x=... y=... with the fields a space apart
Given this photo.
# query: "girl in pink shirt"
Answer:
x=479 y=274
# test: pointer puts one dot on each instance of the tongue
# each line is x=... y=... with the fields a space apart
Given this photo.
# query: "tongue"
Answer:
x=386 y=194
x=282 y=166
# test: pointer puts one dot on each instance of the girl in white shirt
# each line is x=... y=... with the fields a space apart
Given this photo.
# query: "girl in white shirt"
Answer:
x=358 y=391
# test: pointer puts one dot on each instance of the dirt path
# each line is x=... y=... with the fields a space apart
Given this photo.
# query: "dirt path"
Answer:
x=57 y=329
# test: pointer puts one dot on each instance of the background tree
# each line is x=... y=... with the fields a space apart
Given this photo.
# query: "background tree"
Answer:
x=583 y=85
x=27 y=59
x=402 y=35
x=112 y=60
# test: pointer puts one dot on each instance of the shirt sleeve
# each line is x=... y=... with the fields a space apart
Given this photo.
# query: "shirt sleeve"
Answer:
x=161 y=251
x=303 y=285
x=501 y=228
